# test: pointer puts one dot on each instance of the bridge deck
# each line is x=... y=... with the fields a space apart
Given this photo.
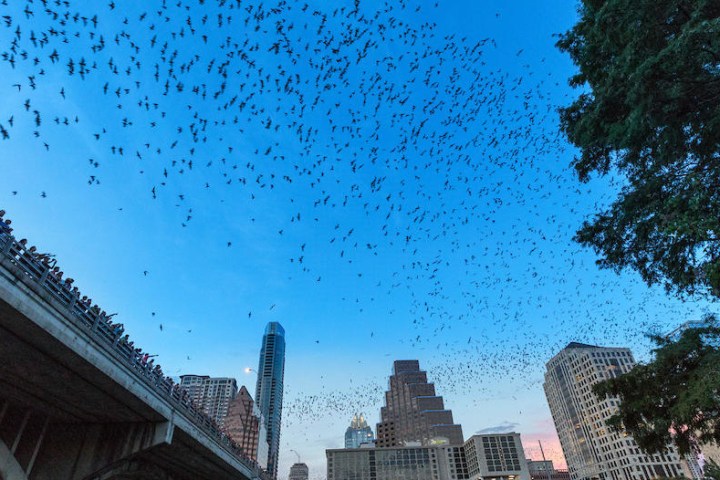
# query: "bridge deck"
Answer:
x=61 y=360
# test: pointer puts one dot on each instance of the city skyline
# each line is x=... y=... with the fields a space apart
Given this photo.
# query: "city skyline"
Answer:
x=498 y=456
x=381 y=237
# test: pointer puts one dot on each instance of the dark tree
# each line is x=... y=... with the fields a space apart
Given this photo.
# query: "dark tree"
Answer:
x=649 y=71
x=676 y=397
x=712 y=470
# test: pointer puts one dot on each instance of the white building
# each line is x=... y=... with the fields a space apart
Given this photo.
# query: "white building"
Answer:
x=212 y=395
x=537 y=467
x=497 y=456
x=591 y=449
x=442 y=462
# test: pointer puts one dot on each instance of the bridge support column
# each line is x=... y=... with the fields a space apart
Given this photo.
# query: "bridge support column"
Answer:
x=132 y=470
x=10 y=469
x=75 y=451
x=35 y=447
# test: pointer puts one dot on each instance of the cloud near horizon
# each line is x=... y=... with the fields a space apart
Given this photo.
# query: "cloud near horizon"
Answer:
x=502 y=428
x=551 y=448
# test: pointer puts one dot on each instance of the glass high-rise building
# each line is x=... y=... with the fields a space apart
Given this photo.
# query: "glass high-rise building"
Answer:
x=269 y=390
x=358 y=433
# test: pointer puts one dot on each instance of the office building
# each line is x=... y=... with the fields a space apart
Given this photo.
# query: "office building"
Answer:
x=536 y=467
x=591 y=449
x=413 y=414
x=677 y=333
x=438 y=462
x=545 y=470
x=358 y=433
x=553 y=475
x=246 y=426
x=194 y=386
x=299 y=471
x=497 y=456
x=212 y=395
x=269 y=389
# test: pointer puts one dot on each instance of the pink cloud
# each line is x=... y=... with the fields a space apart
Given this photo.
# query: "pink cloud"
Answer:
x=544 y=432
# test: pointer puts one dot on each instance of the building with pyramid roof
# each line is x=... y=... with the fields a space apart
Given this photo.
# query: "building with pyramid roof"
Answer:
x=358 y=433
x=413 y=414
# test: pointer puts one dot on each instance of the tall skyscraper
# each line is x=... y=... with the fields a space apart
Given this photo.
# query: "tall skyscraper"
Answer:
x=591 y=449
x=246 y=426
x=299 y=471
x=269 y=390
x=212 y=395
x=358 y=433
x=413 y=414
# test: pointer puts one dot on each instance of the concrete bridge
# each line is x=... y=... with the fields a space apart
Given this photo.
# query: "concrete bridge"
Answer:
x=77 y=404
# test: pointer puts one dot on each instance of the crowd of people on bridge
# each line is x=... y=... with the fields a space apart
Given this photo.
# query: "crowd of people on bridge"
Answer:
x=5 y=228
x=43 y=267
x=57 y=281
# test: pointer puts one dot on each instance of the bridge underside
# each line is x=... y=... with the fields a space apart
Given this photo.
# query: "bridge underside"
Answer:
x=53 y=426
x=44 y=450
x=62 y=417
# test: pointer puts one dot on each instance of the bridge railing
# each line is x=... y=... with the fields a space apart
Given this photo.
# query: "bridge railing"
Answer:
x=36 y=273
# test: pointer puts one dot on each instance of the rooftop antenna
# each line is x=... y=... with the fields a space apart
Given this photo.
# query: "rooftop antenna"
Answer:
x=543 y=457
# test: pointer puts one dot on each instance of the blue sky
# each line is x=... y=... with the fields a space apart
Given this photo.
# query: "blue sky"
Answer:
x=431 y=219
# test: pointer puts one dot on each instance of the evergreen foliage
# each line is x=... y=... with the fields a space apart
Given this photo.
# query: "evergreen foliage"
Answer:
x=650 y=110
x=675 y=398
